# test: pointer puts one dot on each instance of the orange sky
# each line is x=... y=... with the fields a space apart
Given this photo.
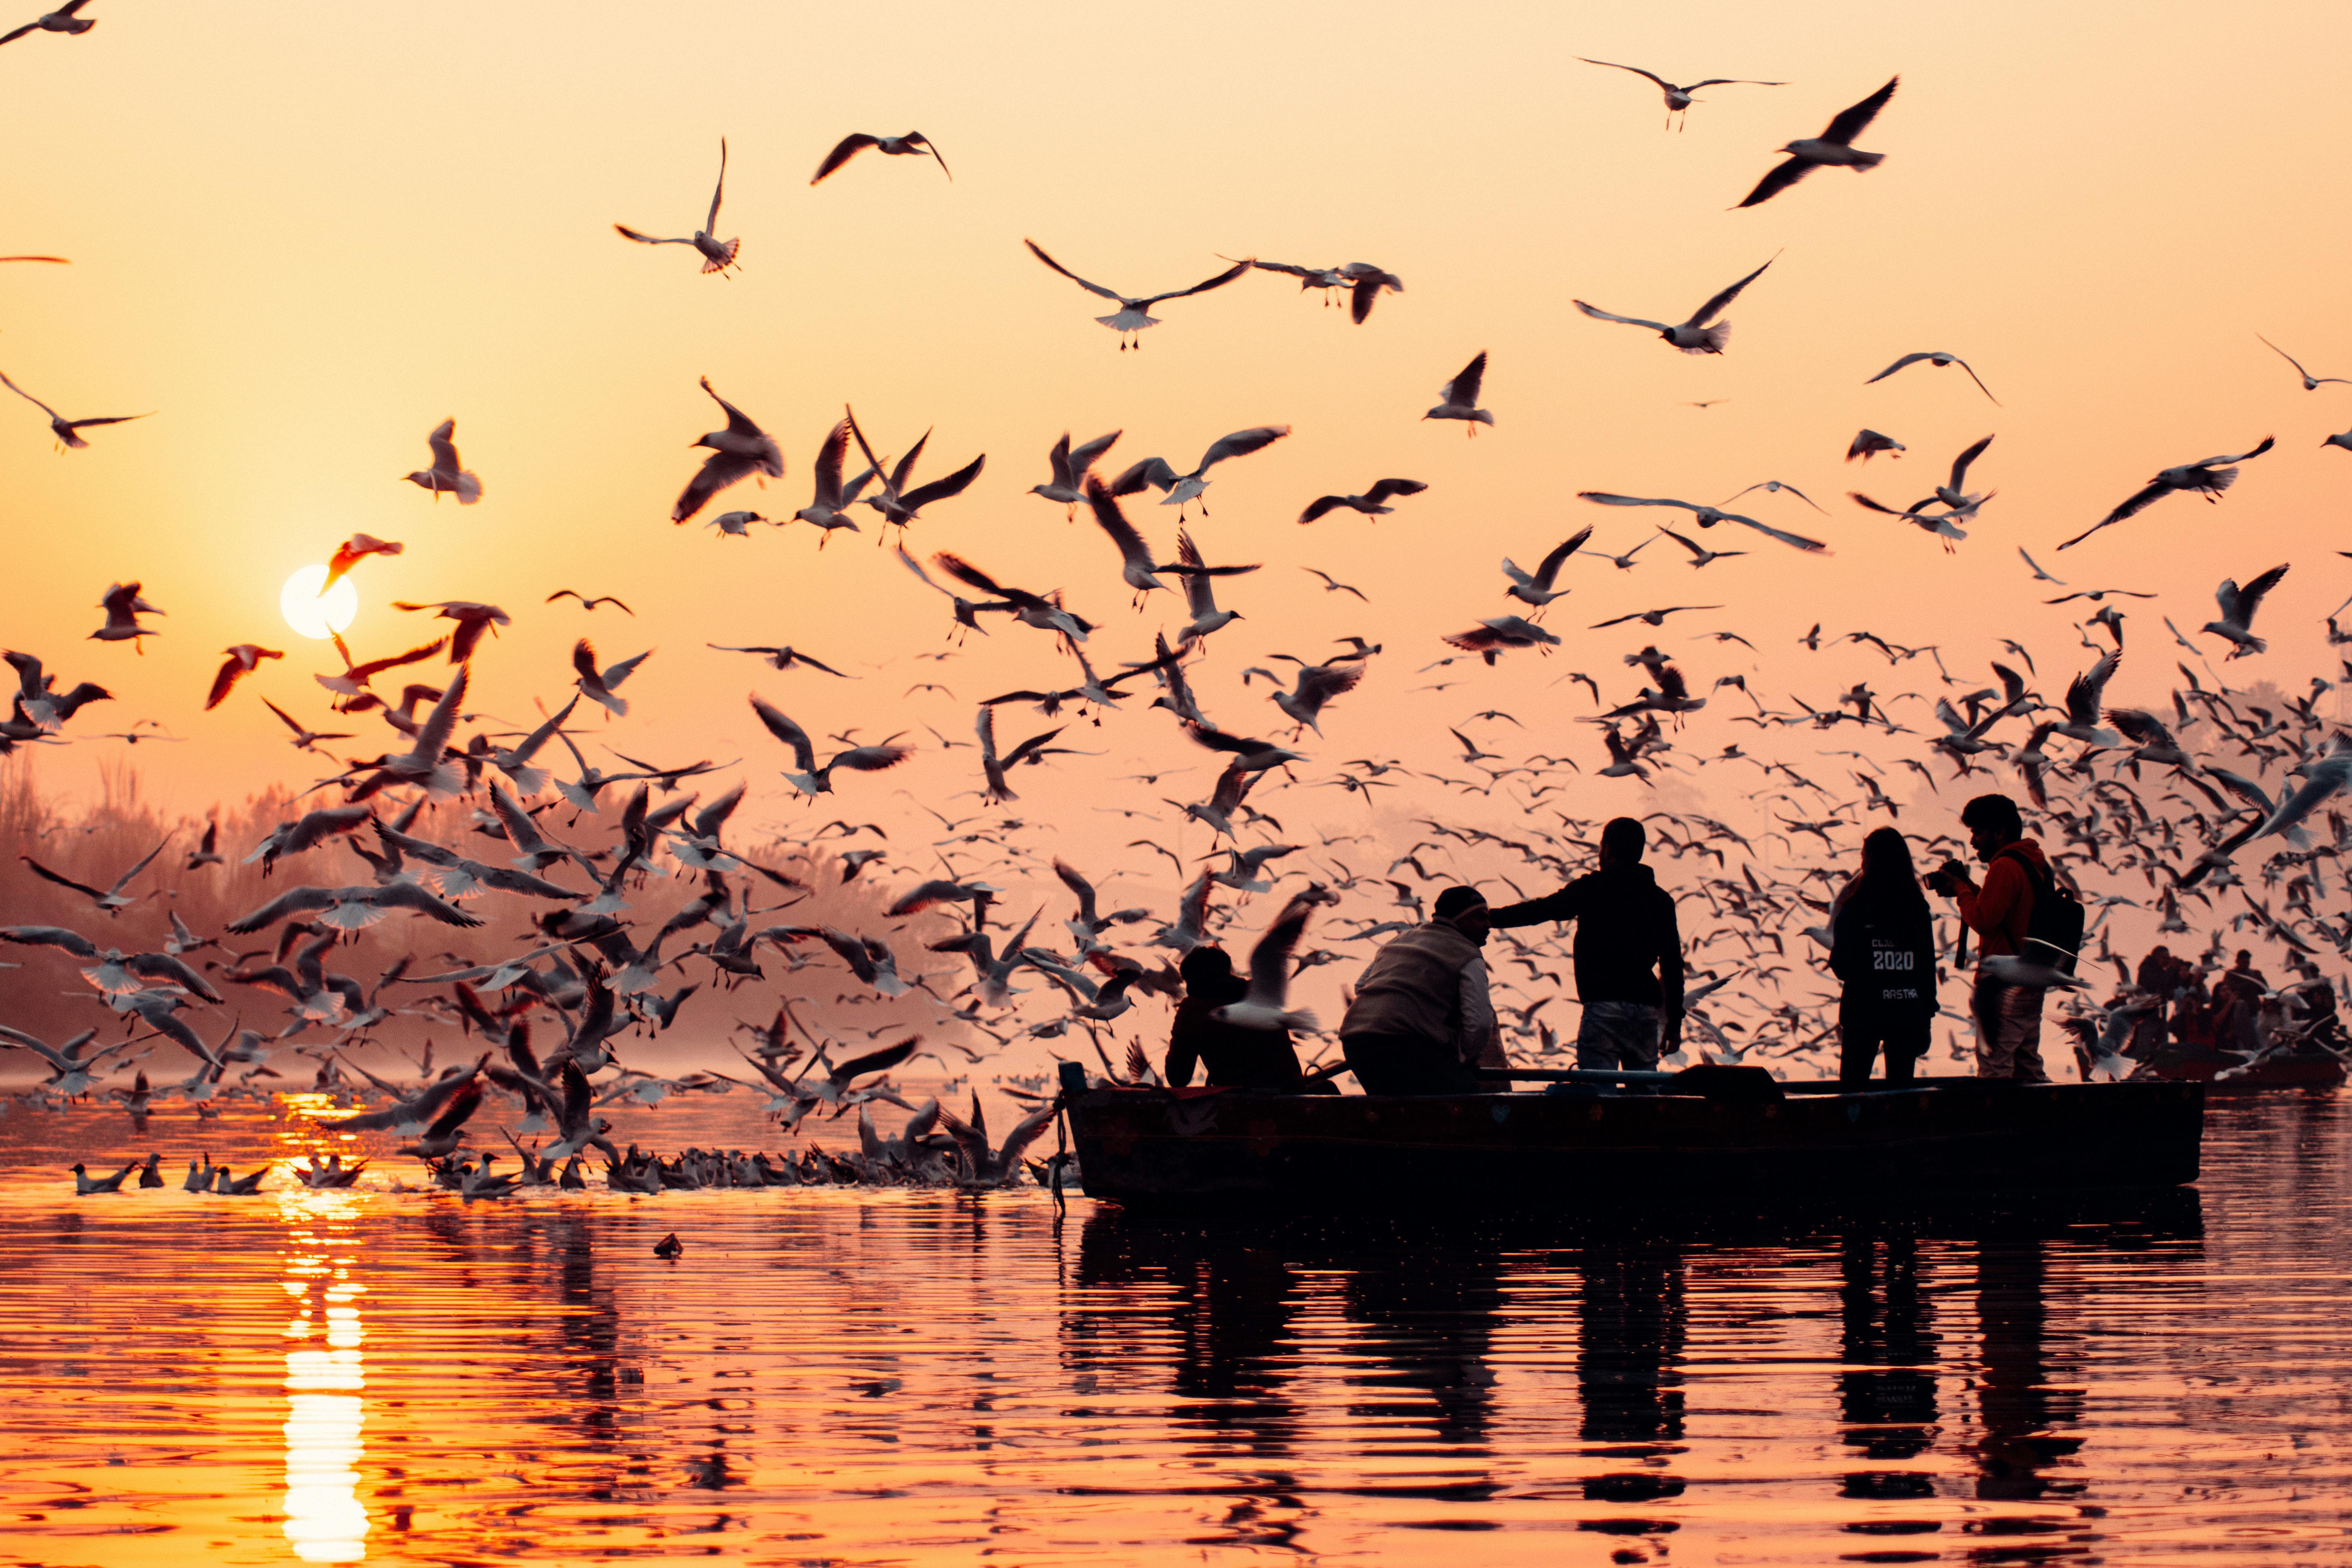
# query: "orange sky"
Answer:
x=304 y=234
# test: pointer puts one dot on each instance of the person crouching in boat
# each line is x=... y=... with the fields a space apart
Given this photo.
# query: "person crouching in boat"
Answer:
x=1422 y=1018
x=1629 y=954
x=1882 y=947
x=1235 y=1058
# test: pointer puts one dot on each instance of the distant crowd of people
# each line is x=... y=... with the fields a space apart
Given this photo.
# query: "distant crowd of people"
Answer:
x=1422 y=1021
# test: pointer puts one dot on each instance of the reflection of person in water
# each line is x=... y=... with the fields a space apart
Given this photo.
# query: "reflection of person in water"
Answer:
x=2016 y=1406
x=1225 y=1304
x=1430 y=1312
x=1628 y=1349
x=1887 y=1392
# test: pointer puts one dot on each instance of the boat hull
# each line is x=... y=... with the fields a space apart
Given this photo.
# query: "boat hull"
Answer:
x=1149 y=1146
x=2292 y=1071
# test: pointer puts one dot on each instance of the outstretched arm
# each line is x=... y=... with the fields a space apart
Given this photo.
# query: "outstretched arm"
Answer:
x=1560 y=906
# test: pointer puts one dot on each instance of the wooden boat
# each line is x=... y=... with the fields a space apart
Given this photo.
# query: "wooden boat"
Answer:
x=1710 y=1132
x=2225 y=1073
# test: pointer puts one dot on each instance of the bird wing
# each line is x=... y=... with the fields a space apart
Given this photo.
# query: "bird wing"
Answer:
x=1319 y=683
x=18 y=389
x=711 y=224
x=1724 y=82
x=849 y=147
x=1383 y=489
x=1960 y=464
x=409 y=896
x=1600 y=315
x=2143 y=728
x=2268 y=442
x=1603 y=497
x=1778 y=178
x=1899 y=364
x=73 y=941
x=46 y=875
x=971 y=577
x=1113 y=521
x=361 y=673
x=1981 y=385
x=1549 y=569
x=433 y=736
x=1027 y=1131
x=1219 y=281
x=294 y=900
x=164 y=966
x=1079 y=885
x=1799 y=540
x=614 y=674
x=918 y=138
x=1153 y=471
x=124 y=881
x=940 y=490
x=2084 y=692
x=1216 y=740
x=223 y=682
x=1705 y=313
x=466 y=1101
x=1850 y=122
x=1241 y=444
x=828 y=465
x=2250 y=597
x=871 y=759
x=1637 y=71
x=882 y=1060
x=738 y=422
x=1083 y=458
x=1689 y=544
x=625 y=232
x=443 y=443
x=1463 y=390
x=1038 y=252
x=1270 y=957
x=2131 y=505
x=790 y=733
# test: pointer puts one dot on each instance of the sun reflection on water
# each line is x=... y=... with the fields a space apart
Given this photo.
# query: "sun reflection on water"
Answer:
x=324 y=1520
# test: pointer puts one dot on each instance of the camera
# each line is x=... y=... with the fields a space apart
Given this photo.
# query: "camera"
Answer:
x=1948 y=878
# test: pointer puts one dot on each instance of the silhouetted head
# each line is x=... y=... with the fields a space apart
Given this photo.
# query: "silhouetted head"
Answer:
x=1888 y=876
x=1208 y=972
x=1622 y=842
x=1993 y=824
x=1465 y=908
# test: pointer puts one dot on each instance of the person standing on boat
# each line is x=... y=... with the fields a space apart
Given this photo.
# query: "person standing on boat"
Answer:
x=1422 y=1018
x=2000 y=911
x=1629 y=954
x=1883 y=946
x=1235 y=1058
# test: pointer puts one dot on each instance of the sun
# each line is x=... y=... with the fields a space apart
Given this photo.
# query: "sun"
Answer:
x=312 y=613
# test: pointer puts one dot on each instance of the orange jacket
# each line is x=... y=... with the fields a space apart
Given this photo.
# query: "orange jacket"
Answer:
x=2000 y=910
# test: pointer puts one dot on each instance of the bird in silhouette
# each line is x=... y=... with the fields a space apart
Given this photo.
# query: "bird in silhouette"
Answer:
x=1694 y=336
x=717 y=255
x=1832 y=146
x=2208 y=477
x=446 y=475
x=736 y=452
x=1134 y=313
x=67 y=431
x=1678 y=97
x=914 y=143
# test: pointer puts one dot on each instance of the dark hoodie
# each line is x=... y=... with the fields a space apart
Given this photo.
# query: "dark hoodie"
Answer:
x=1628 y=948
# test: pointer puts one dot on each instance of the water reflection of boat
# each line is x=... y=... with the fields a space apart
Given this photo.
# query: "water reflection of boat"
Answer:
x=1753 y=1143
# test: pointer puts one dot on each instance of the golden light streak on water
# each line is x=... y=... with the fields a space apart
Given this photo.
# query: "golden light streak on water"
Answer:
x=325 y=1373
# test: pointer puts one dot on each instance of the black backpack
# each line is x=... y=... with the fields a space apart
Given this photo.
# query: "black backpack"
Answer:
x=2054 y=927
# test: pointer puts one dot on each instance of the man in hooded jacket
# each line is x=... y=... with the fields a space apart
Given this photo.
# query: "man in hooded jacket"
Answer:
x=1629 y=954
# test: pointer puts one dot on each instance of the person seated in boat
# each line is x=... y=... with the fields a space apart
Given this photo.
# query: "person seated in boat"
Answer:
x=1883 y=948
x=2237 y=1004
x=1235 y=1058
x=1422 y=1018
x=1629 y=954
x=2161 y=979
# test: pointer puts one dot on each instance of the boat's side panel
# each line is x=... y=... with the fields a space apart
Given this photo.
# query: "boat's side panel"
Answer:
x=1140 y=1145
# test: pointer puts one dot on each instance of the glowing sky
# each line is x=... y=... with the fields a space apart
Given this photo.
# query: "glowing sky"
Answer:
x=303 y=235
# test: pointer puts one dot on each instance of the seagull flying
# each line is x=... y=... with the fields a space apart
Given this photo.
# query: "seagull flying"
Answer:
x=1938 y=357
x=1134 y=314
x=717 y=255
x=913 y=143
x=1833 y=145
x=2208 y=477
x=1679 y=99
x=1693 y=336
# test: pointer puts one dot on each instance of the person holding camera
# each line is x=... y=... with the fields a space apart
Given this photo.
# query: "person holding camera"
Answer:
x=2000 y=911
x=1882 y=947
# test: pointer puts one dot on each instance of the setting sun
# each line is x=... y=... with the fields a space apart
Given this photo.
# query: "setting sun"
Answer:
x=312 y=613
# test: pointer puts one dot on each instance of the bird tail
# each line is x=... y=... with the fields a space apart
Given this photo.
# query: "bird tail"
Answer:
x=721 y=263
x=1711 y=340
x=1303 y=1021
x=468 y=490
x=1868 y=159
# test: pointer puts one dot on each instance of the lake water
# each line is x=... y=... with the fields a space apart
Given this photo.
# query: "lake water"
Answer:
x=848 y=1377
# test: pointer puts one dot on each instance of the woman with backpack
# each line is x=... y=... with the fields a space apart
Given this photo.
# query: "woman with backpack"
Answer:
x=1883 y=946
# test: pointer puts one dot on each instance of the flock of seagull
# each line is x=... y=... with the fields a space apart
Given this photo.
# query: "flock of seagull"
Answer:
x=631 y=877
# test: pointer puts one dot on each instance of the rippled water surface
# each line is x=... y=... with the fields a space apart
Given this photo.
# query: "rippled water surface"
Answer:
x=836 y=1376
